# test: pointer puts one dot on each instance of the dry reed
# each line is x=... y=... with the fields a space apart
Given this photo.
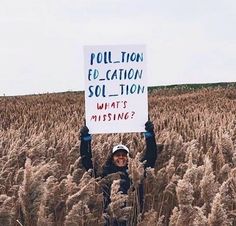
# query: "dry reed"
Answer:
x=42 y=181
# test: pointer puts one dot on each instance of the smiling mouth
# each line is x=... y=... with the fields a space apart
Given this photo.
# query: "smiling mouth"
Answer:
x=121 y=162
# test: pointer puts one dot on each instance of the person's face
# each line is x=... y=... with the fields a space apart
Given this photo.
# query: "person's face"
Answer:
x=120 y=158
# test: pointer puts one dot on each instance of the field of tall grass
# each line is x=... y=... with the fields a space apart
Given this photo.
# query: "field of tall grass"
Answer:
x=43 y=183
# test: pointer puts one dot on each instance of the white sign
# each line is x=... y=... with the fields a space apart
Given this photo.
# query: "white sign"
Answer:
x=115 y=88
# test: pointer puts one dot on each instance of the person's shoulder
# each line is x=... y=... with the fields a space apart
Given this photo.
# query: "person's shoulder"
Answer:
x=107 y=169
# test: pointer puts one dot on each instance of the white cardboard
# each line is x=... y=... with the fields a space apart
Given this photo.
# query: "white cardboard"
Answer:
x=115 y=88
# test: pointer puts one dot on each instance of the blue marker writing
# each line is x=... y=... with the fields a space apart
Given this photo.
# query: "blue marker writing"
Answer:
x=92 y=74
x=98 y=58
x=131 y=89
x=123 y=74
x=97 y=91
x=133 y=57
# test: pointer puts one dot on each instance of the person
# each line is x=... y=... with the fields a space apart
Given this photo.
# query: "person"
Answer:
x=118 y=161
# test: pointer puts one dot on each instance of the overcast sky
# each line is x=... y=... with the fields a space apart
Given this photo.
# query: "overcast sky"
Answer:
x=41 y=41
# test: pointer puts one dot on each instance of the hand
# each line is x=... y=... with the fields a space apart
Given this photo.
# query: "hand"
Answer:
x=149 y=127
x=84 y=131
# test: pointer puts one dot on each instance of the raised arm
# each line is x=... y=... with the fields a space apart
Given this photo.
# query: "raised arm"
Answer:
x=151 y=153
x=85 y=148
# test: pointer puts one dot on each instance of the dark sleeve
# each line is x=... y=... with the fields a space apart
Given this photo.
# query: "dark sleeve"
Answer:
x=151 y=153
x=86 y=151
